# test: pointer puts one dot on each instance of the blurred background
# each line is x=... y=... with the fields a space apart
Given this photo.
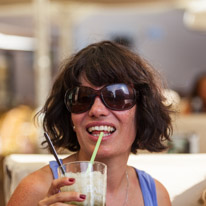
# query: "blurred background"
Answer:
x=36 y=35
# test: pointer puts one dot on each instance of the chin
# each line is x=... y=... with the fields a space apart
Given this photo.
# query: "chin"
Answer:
x=105 y=154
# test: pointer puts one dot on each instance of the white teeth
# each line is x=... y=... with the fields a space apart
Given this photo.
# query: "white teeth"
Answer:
x=101 y=128
x=90 y=129
x=112 y=129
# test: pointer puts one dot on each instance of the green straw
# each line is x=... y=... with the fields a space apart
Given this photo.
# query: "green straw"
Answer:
x=95 y=151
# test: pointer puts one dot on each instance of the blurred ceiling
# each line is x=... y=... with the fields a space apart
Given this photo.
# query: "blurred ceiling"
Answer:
x=16 y=16
x=89 y=1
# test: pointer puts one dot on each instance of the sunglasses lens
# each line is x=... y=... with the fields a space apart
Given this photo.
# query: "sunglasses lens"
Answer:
x=79 y=99
x=114 y=96
x=118 y=96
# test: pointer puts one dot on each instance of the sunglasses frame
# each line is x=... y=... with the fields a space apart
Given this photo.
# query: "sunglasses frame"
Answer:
x=99 y=94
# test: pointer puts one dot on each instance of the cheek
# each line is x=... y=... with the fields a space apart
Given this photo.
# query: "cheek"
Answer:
x=77 y=120
x=130 y=122
x=74 y=119
x=132 y=115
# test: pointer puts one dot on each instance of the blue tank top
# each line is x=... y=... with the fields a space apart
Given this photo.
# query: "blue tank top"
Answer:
x=147 y=184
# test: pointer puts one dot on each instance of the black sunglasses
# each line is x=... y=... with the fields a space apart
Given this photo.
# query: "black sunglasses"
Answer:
x=114 y=96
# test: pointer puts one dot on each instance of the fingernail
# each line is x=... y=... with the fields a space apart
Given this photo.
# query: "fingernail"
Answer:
x=82 y=196
x=71 y=179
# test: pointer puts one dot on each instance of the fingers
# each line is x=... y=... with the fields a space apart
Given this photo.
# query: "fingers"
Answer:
x=55 y=197
x=58 y=183
x=67 y=197
x=61 y=197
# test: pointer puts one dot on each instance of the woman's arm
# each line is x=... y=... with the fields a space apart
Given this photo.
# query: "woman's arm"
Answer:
x=163 y=198
x=31 y=189
x=40 y=189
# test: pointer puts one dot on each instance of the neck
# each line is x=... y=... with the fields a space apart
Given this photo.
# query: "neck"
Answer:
x=117 y=182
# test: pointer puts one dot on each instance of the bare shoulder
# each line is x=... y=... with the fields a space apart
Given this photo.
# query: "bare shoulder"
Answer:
x=162 y=194
x=32 y=188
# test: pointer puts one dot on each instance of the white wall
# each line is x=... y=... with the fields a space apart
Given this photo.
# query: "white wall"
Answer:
x=160 y=36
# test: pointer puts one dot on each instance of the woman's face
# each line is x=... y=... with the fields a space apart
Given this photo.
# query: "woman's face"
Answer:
x=119 y=128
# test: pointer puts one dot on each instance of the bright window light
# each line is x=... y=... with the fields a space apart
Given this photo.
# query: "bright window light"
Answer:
x=12 y=42
x=197 y=6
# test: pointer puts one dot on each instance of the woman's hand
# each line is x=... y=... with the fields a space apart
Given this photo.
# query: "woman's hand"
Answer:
x=55 y=197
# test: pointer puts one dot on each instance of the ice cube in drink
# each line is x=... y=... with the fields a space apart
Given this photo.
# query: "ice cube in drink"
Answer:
x=91 y=183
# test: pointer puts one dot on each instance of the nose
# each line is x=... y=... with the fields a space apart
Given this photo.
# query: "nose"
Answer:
x=98 y=108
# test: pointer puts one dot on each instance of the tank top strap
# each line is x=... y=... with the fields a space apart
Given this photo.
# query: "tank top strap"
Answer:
x=54 y=165
x=148 y=188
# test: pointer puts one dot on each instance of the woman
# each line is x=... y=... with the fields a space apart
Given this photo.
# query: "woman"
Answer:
x=106 y=85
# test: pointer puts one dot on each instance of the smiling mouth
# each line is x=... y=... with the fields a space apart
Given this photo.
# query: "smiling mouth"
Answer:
x=95 y=130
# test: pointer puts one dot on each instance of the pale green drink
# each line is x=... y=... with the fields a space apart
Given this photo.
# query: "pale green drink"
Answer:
x=90 y=182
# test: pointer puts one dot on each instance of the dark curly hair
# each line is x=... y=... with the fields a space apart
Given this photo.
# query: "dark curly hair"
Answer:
x=105 y=63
